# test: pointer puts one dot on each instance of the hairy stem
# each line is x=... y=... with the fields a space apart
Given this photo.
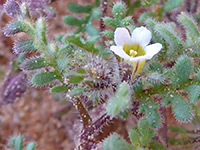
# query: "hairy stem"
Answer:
x=92 y=135
x=163 y=130
x=86 y=119
x=102 y=25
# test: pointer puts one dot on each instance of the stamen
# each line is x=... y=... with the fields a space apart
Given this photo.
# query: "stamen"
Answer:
x=133 y=53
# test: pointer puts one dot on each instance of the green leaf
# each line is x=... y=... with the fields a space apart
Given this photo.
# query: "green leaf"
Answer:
x=115 y=142
x=75 y=79
x=11 y=143
x=33 y=63
x=194 y=93
x=62 y=63
x=169 y=34
x=41 y=28
x=151 y=113
x=134 y=136
x=72 y=21
x=96 y=13
x=81 y=71
x=179 y=129
x=18 y=143
x=119 y=10
x=44 y=78
x=110 y=22
x=59 y=37
x=183 y=68
x=151 y=23
x=92 y=30
x=57 y=89
x=16 y=27
x=146 y=15
x=127 y=21
x=108 y=33
x=171 y=4
x=143 y=126
x=189 y=24
x=148 y=3
x=23 y=46
x=76 y=91
x=198 y=76
x=154 y=145
x=120 y=102
x=155 y=67
x=76 y=8
x=87 y=45
x=147 y=138
x=138 y=87
x=31 y=146
x=181 y=108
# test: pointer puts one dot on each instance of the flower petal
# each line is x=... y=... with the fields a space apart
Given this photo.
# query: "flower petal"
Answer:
x=138 y=58
x=141 y=36
x=152 y=49
x=120 y=52
x=122 y=37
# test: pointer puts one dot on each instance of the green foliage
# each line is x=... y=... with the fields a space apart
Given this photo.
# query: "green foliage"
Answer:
x=179 y=129
x=194 y=92
x=192 y=32
x=62 y=63
x=41 y=29
x=72 y=21
x=16 y=27
x=148 y=3
x=33 y=63
x=44 y=78
x=155 y=67
x=119 y=20
x=23 y=46
x=145 y=133
x=31 y=146
x=138 y=87
x=171 y=4
x=119 y=10
x=140 y=137
x=173 y=79
x=155 y=74
x=78 y=41
x=156 y=145
x=198 y=76
x=84 y=24
x=75 y=79
x=150 y=108
x=76 y=8
x=57 y=89
x=147 y=15
x=114 y=142
x=183 y=69
x=169 y=34
x=16 y=143
x=81 y=71
x=189 y=24
x=181 y=109
x=120 y=102
x=75 y=91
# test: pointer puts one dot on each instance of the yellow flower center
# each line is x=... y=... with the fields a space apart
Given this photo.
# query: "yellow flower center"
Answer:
x=134 y=51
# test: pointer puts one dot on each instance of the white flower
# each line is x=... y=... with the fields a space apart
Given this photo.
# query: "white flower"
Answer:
x=135 y=49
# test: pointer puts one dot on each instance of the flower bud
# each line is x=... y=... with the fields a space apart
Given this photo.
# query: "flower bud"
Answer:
x=14 y=88
x=12 y=8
